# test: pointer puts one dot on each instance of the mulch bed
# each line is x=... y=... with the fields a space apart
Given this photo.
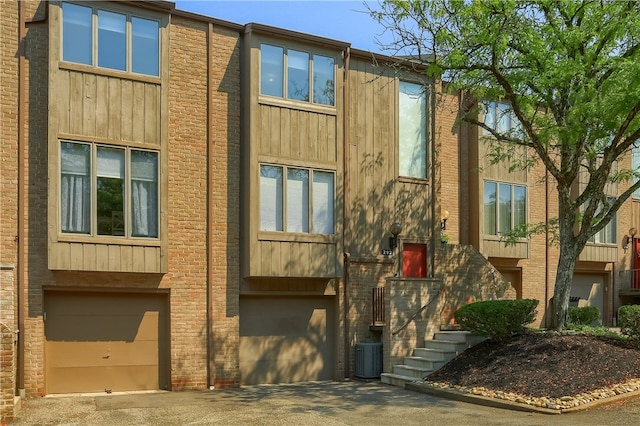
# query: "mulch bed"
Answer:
x=544 y=364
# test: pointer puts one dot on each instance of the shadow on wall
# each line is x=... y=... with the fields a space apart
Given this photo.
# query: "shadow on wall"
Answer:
x=467 y=277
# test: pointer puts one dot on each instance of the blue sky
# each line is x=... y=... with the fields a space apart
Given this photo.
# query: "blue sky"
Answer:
x=343 y=20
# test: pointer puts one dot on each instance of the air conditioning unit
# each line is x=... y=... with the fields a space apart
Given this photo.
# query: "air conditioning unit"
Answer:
x=368 y=360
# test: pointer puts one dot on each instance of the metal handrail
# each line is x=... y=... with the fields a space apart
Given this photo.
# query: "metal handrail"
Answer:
x=416 y=314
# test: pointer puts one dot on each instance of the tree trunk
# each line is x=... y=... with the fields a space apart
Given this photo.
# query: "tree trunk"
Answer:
x=564 y=279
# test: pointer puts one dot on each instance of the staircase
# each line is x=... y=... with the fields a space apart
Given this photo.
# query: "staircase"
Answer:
x=435 y=353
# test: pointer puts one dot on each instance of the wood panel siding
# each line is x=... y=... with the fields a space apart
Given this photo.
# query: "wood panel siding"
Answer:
x=376 y=192
x=67 y=256
x=497 y=248
x=291 y=134
x=105 y=107
x=599 y=253
x=299 y=135
x=101 y=106
x=499 y=171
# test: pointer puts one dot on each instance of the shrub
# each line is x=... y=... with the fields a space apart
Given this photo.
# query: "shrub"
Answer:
x=497 y=319
x=583 y=315
x=629 y=321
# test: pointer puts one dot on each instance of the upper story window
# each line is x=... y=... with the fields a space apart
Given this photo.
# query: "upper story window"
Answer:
x=295 y=199
x=296 y=75
x=505 y=207
x=106 y=190
x=607 y=235
x=635 y=166
x=500 y=117
x=412 y=132
x=108 y=39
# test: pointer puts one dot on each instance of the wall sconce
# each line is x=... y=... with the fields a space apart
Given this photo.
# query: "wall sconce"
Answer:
x=443 y=220
x=395 y=229
x=628 y=238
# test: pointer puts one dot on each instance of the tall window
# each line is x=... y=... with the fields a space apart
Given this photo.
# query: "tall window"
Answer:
x=635 y=166
x=505 y=207
x=500 y=117
x=125 y=184
x=308 y=77
x=294 y=199
x=112 y=40
x=412 y=131
x=607 y=235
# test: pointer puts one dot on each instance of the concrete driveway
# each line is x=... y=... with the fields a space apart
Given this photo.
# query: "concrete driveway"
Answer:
x=318 y=403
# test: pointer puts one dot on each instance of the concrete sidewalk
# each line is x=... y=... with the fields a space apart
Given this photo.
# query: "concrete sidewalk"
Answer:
x=317 y=403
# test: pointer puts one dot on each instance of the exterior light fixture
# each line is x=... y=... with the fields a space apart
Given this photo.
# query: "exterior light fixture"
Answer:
x=628 y=238
x=395 y=229
x=443 y=220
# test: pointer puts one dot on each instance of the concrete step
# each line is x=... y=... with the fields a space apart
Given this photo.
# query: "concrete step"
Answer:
x=433 y=354
x=406 y=370
x=445 y=345
x=424 y=363
x=397 y=379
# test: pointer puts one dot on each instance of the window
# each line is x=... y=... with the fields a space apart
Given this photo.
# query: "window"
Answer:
x=500 y=117
x=301 y=68
x=505 y=207
x=294 y=199
x=606 y=235
x=635 y=166
x=111 y=40
x=412 y=131
x=107 y=190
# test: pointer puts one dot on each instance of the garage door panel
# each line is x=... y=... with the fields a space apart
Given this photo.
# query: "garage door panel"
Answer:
x=125 y=378
x=288 y=339
x=91 y=354
x=97 y=341
x=590 y=289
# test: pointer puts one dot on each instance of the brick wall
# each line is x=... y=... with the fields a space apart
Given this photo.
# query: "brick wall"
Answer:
x=189 y=159
x=8 y=203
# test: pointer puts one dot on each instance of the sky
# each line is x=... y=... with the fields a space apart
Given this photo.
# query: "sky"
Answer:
x=343 y=20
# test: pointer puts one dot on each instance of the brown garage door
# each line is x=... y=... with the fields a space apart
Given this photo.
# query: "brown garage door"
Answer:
x=287 y=339
x=590 y=289
x=105 y=341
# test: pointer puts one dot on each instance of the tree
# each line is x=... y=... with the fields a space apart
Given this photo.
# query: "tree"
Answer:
x=570 y=72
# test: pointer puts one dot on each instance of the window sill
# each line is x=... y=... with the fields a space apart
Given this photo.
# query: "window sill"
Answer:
x=296 y=237
x=70 y=66
x=106 y=240
x=303 y=106
x=418 y=181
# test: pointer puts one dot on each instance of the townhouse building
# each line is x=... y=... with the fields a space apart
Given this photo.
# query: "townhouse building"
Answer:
x=190 y=203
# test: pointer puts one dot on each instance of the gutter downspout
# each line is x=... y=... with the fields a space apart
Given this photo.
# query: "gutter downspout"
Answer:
x=435 y=222
x=210 y=208
x=22 y=166
x=345 y=189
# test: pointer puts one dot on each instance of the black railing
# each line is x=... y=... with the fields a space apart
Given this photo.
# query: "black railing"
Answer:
x=378 y=305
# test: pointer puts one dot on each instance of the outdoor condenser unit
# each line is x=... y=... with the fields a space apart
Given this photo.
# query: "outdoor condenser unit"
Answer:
x=368 y=360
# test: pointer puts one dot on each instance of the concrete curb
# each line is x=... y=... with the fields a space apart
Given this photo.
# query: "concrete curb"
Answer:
x=510 y=405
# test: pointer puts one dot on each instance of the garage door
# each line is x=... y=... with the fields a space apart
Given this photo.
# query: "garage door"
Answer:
x=590 y=289
x=287 y=339
x=96 y=342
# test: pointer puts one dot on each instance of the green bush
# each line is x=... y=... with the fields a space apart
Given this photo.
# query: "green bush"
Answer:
x=583 y=315
x=629 y=321
x=497 y=319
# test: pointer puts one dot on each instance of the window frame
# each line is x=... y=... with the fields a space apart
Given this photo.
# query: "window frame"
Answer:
x=284 y=207
x=129 y=14
x=490 y=109
x=610 y=230
x=635 y=166
x=512 y=206
x=93 y=232
x=311 y=75
x=425 y=136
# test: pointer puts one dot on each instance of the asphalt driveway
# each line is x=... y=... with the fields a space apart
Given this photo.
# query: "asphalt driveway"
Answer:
x=318 y=403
